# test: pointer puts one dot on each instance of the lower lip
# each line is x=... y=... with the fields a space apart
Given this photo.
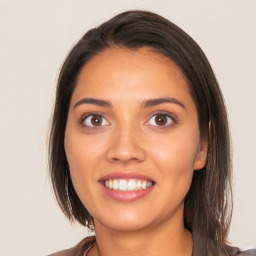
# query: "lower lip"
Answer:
x=126 y=196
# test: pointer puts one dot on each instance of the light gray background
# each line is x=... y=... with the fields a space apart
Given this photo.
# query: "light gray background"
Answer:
x=35 y=37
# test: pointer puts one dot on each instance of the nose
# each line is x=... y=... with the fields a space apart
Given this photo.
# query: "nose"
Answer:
x=125 y=147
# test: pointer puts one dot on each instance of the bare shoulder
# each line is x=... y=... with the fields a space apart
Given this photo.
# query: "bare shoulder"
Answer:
x=77 y=250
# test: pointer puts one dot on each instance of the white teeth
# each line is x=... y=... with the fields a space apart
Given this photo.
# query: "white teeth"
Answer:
x=110 y=184
x=144 y=184
x=138 y=185
x=122 y=185
x=127 y=185
x=115 y=184
x=131 y=185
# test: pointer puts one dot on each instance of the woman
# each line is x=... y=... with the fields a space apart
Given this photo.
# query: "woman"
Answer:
x=139 y=146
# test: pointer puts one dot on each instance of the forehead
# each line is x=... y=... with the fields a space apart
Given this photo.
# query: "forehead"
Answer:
x=135 y=72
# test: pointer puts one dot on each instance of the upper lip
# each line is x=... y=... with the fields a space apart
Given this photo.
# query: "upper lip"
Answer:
x=125 y=175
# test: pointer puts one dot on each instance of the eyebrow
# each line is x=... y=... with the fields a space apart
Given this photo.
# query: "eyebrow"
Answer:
x=158 y=101
x=93 y=101
x=146 y=103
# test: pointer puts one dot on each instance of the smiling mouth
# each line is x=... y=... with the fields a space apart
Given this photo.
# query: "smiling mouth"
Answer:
x=127 y=184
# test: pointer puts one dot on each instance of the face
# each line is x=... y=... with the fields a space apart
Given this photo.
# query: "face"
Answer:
x=132 y=139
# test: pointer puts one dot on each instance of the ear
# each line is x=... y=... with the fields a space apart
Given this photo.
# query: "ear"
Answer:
x=201 y=156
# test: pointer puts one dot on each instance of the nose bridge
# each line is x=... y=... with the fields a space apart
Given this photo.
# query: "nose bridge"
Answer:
x=125 y=144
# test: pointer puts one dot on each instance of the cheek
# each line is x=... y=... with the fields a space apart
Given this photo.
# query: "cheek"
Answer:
x=177 y=166
x=177 y=173
x=176 y=155
x=83 y=156
x=79 y=158
x=175 y=159
x=76 y=152
x=82 y=151
x=81 y=167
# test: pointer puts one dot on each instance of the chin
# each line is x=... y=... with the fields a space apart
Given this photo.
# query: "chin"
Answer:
x=124 y=223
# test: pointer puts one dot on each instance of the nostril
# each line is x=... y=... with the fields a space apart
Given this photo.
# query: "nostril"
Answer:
x=124 y=160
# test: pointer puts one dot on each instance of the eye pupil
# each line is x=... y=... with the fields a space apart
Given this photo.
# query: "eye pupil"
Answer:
x=96 y=120
x=160 y=119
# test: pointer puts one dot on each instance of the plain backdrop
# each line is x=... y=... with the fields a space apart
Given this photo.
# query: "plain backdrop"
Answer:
x=34 y=39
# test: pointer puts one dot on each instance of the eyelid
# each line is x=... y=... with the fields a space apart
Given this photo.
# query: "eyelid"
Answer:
x=83 y=118
x=164 y=113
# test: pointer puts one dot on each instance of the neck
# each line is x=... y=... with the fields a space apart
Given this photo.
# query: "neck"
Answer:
x=167 y=239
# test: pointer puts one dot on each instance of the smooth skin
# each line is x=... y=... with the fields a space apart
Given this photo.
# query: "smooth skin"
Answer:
x=127 y=134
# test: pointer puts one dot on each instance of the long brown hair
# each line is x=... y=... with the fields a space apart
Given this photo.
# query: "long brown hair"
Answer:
x=208 y=204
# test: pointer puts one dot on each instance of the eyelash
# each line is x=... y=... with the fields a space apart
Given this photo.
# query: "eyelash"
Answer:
x=171 y=119
x=84 y=117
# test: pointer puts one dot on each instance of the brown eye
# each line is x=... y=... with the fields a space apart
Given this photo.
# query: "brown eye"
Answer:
x=160 y=120
x=95 y=120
